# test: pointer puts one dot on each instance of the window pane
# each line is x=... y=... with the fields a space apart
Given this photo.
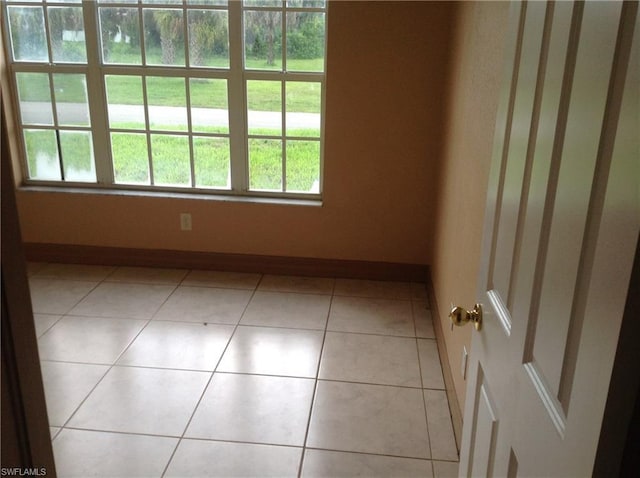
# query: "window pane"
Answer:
x=209 y=106
x=208 y=38
x=303 y=166
x=306 y=3
x=77 y=156
x=262 y=3
x=130 y=158
x=264 y=104
x=305 y=41
x=28 y=38
x=208 y=2
x=265 y=164
x=125 y=103
x=66 y=28
x=71 y=99
x=263 y=40
x=120 y=36
x=303 y=108
x=171 y=163
x=42 y=154
x=167 y=101
x=164 y=37
x=34 y=96
x=211 y=156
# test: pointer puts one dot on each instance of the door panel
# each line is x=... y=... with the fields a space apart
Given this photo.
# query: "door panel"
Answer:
x=562 y=221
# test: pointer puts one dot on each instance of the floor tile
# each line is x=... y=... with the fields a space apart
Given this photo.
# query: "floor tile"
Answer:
x=430 y=364
x=282 y=309
x=147 y=275
x=205 y=305
x=66 y=385
x=443 y=442
x=56 y=296
x=254 y=408
x=423 y=319
x=369 y=419
x=445 y=469
x=323 y=464
x=371 y=316
x=308 y=285
x=370 y=359
x=273 y=351
x=125 y=301
x=142 y=400
x=81 y=453
x=88 y=339
x=53 y=431
x=81 y=272
x=179 y=345
x=201 y=458
x=43 y=322
x=222 y=279
x=373 y=289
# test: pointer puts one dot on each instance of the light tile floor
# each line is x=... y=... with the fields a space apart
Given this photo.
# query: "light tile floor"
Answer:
x=165 y=372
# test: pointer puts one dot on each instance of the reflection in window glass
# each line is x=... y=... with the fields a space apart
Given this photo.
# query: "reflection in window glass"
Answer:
x=120 y=36
x=77 y=156
x=28 y=39
x=66 y=29
x=42 y=154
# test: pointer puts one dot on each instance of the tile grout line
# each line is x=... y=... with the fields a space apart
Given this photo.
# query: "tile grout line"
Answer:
x=315 y=384
x=424 y=402
x=206 y=387
x=148 y=321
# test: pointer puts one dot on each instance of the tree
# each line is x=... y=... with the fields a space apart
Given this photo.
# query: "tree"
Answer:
x=170 y=26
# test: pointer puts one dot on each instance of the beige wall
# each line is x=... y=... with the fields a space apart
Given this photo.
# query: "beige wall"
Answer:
x=475 y=80
x=385 y=98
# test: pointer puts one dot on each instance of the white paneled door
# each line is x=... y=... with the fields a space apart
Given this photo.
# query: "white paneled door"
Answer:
x=562 y=223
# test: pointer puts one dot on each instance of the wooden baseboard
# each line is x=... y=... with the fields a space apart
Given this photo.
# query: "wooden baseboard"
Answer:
x=454 y=405
x=303 y=266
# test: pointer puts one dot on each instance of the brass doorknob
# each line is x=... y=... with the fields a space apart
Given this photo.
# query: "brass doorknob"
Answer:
x=460 y=316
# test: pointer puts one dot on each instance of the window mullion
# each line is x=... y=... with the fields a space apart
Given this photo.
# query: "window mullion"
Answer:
x=97 y=96
x=237 y=106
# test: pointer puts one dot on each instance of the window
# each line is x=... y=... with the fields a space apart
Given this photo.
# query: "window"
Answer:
x=198 y=95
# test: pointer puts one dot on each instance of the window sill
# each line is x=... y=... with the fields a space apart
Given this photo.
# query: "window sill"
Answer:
x=220 y=197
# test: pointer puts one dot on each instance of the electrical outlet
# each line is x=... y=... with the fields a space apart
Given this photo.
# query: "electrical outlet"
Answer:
x=185 y=221
x=463 y=366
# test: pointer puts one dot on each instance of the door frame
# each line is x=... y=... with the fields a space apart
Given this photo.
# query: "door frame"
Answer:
x=26 y=440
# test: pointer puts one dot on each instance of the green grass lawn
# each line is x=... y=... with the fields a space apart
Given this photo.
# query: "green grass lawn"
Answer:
x=170 y=159
x=171 y=153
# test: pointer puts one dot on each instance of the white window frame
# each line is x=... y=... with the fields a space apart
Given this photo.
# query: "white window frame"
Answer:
x=236 y=75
